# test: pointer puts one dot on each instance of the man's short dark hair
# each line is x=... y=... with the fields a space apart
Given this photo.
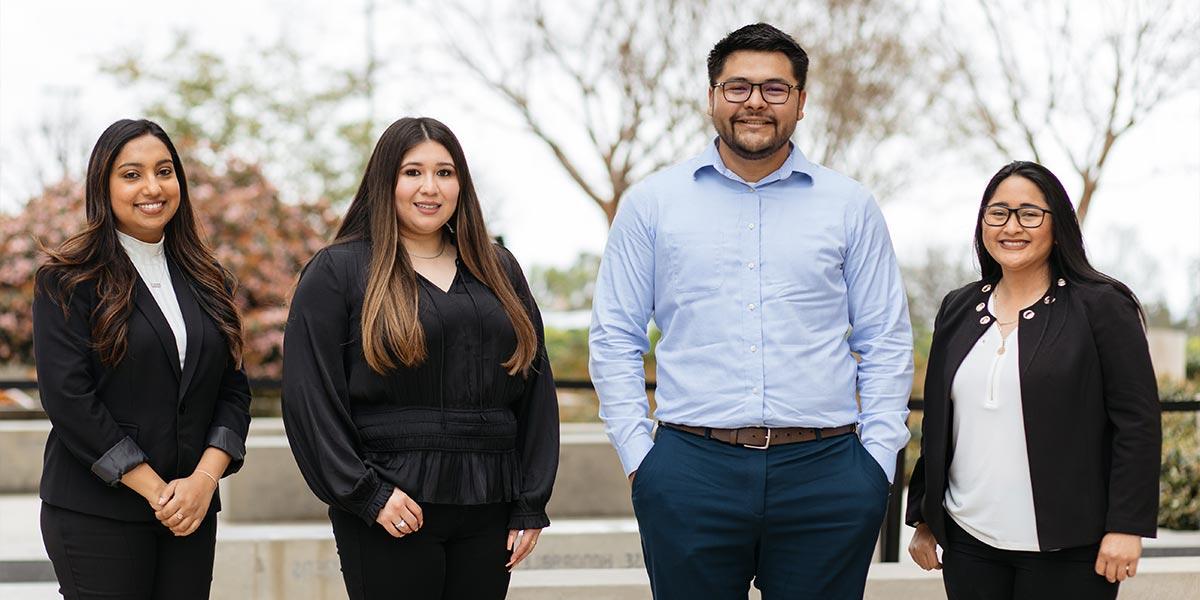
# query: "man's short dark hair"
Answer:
x=759 y=37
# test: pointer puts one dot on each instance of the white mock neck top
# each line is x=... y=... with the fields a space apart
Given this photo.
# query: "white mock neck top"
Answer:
x=150 y=260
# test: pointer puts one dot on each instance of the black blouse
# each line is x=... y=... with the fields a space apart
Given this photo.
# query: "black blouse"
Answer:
x=455 y=429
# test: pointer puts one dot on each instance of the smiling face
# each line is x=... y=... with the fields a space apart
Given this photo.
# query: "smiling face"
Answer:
x=143 y=188
x=426 y=190
x=754 y=129
x=1018 y=248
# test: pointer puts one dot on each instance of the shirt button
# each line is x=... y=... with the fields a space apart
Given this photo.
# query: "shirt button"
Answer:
x=753 y=348
x=754 y=390
x=750 y=306
x=750 y=227
x=750 y=265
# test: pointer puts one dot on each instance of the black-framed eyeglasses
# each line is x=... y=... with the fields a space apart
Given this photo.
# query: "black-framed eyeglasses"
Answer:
x=1029 y=217
x=773 y=92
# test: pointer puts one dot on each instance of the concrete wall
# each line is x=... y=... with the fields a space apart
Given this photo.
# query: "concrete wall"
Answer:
x=590 y=482
x=21 y=446
x=1168 y=352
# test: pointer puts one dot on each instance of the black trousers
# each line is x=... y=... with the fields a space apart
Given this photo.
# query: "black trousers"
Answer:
x=459 y=553
x=97 y=557
x=973 y=570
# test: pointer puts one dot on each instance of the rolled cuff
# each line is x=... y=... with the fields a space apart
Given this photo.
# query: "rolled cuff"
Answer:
x=119 y=460
x=224 y=439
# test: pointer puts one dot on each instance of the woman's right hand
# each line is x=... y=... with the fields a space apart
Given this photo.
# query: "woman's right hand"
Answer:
x=146 y=482
x=923 y=548
x=401 y=515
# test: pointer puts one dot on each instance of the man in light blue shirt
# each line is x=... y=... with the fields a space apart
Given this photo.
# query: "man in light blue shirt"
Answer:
x=785 y=332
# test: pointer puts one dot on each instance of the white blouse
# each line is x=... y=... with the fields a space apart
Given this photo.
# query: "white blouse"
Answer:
x=989 y=493
x=151 y=264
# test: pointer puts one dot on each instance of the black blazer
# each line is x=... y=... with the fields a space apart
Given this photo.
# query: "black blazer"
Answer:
x=107 y=420
x=1092 y=416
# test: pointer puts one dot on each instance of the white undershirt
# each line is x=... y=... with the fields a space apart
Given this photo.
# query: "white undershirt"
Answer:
x=151 y=265
x=989 y=492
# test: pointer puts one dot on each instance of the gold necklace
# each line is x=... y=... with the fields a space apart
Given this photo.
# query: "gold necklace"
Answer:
x=1003 y=338
x=440 y=252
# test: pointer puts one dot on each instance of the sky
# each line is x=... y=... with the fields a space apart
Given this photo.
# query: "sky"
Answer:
x=1144 y=225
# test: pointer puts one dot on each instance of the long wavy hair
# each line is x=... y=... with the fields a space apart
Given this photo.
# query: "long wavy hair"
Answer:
x=1068 y=259
x=391 y=331
x=95 y=254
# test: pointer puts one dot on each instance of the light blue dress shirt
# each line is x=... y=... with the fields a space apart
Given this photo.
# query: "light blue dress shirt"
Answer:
x=762 y=291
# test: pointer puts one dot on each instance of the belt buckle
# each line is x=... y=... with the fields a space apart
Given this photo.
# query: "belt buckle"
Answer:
x=762 y=447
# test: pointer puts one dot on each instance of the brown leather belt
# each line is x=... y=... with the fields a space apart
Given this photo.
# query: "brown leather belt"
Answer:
x=761 y=438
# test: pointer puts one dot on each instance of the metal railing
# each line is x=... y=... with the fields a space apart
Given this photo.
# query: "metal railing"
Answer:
x=889 y=533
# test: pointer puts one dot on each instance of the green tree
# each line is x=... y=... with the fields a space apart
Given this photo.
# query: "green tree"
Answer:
x=566 y=289
x=310 y=126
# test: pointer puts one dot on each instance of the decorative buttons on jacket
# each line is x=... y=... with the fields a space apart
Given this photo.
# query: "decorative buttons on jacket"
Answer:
x=987 y=288
x=1062 y=282
x=1046 y=300
x=984 y=320
x=1028 y=314
x=979 y=307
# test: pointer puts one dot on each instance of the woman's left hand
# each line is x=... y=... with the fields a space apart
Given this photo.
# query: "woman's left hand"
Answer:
x=185 y=503
x=1118 y=558
x=524 y=540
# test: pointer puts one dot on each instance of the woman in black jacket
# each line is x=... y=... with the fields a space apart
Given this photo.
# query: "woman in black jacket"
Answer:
x=1039 y=463
x=417 y=394
x=138 y=347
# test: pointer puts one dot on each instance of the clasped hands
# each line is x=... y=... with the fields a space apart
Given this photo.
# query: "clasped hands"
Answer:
x=182 y=504
x=402 y=516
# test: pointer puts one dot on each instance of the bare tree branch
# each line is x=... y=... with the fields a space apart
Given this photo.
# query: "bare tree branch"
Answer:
x=1095 y=86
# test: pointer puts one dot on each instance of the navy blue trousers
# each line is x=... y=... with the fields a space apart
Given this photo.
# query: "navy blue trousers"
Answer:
x=799 y=520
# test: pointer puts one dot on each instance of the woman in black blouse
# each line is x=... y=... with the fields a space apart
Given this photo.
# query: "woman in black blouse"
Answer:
x=417 y=394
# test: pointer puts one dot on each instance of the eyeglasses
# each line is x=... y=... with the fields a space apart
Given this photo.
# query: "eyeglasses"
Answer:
x=1029 y=217
x=773 y=92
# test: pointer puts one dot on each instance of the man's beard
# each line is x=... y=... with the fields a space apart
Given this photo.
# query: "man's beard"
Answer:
x=729 y=138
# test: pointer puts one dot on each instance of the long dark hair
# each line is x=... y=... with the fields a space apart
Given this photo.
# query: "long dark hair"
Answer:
x=1068 y=259
x=391 y=331
x=95 y=254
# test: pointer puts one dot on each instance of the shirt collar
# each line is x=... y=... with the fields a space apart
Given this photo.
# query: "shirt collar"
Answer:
x=796 y=162
x=139 y=250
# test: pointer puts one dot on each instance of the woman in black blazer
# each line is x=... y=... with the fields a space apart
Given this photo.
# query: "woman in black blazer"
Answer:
x=417 y=393
x=138 y=347
x=1040 y=453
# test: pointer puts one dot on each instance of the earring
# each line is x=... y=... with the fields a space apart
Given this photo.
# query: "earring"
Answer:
x=449 y=227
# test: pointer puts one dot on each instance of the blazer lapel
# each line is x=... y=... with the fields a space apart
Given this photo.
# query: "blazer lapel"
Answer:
x=144 y=301
x=193 y=320
x=975 y=320
x=1034 y=322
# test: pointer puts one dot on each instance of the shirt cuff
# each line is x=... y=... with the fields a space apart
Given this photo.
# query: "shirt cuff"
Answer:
x=886 y=459
x=377 y=502
x=634 y=451
x=531 y=520
x=119 y=460
x=224 y=439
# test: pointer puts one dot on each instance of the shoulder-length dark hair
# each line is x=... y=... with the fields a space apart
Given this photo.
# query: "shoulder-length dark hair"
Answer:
x=95 y=254
x=391 y=331
x=1067 y=256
